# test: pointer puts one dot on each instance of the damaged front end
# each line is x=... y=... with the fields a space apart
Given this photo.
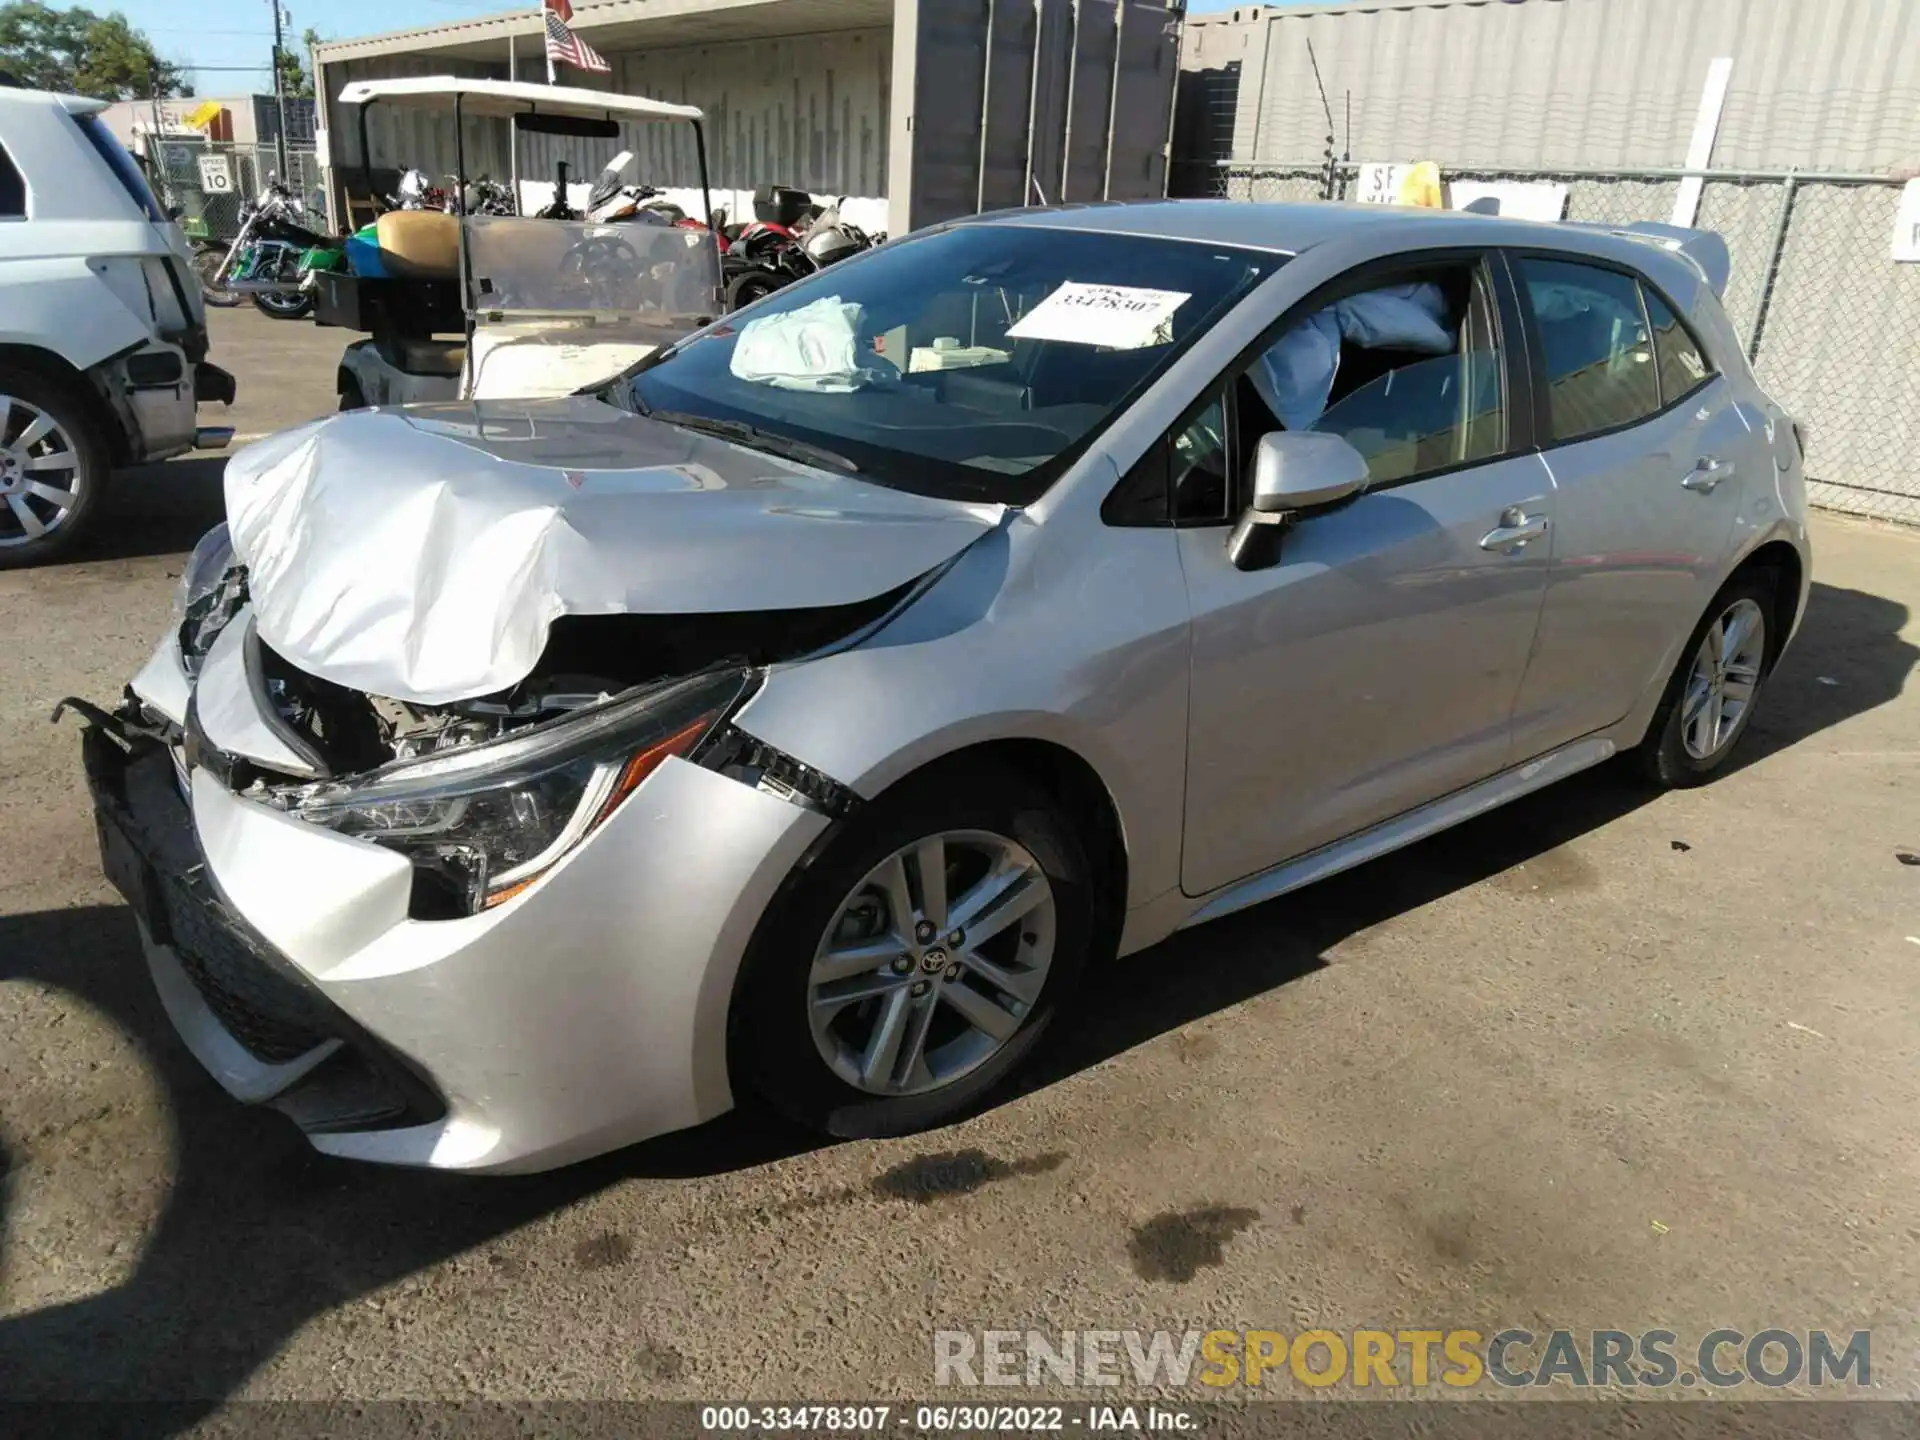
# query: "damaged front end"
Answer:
x=483 y=796
x=483 y=809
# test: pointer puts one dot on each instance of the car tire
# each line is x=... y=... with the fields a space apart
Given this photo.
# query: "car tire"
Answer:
x=1679 y=751
x=352 y=397
x=751 y=285
x=774 y=1049
x=78 y=426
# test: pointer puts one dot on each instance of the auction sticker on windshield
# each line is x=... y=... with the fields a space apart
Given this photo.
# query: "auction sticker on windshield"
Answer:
x=1120 y=317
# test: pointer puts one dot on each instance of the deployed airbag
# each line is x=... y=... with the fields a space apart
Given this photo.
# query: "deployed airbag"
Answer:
x=1296 y=374
x=817 y=347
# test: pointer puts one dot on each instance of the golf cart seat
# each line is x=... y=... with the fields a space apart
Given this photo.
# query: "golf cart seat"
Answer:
x=420 y=244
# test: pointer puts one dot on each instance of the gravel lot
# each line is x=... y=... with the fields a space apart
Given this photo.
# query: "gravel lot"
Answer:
x=1601 y=1059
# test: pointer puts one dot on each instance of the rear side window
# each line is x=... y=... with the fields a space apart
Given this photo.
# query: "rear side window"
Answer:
x=125 y=169
x=1595 y=346
x=1682 y=364
x=13 y=189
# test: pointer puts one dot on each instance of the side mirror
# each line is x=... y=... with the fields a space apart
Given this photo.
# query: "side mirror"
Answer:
x=1293 y=470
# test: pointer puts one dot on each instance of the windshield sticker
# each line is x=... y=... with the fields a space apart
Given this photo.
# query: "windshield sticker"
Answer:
x=1118 y=317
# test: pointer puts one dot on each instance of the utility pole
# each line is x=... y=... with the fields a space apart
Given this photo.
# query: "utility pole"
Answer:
x=279 y=98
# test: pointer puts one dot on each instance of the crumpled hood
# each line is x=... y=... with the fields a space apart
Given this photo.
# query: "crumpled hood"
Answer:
x=423 y=553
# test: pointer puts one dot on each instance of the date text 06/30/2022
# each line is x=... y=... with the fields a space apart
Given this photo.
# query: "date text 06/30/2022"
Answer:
x=949 y=1419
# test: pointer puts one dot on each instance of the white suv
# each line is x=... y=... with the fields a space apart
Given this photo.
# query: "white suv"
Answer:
x=103 y=340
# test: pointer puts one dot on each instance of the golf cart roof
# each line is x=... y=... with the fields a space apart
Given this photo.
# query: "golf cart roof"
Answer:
x=514 y=97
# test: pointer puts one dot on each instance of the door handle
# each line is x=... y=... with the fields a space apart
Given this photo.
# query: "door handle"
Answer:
x=1706 y=476
x=1516 y=528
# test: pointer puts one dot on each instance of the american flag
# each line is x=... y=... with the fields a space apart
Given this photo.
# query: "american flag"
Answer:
x=563 y=44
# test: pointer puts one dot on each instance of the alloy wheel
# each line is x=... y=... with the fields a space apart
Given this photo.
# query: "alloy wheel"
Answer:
x=40 y=473
x=1725 y=676
x=932 y=963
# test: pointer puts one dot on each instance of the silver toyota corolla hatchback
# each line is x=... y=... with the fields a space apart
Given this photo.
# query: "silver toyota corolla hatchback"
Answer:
x=805 y=714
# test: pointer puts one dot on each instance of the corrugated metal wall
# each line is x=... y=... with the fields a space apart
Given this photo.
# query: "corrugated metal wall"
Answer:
x=1819 y=84
x=804 y=110
x=403 y=137
x=1018 y=102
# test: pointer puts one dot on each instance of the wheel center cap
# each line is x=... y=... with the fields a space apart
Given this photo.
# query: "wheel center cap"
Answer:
x=934 y=960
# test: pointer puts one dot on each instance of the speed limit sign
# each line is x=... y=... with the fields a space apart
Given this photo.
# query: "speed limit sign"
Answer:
x=216 y=175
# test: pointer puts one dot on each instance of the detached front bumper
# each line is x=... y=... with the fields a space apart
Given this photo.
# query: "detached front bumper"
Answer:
x=585 y=1014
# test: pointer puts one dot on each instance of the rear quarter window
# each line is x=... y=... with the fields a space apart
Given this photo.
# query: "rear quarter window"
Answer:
x=1678 y=357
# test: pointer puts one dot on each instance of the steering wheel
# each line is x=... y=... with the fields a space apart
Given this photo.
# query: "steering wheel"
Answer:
x=607 y=264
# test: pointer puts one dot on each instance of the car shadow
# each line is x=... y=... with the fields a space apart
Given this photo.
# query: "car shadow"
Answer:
x=259 y=1234
x=1848 y=658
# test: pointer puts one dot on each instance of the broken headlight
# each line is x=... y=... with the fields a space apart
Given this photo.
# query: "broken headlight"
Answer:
x=483 y=822
x=211 y=592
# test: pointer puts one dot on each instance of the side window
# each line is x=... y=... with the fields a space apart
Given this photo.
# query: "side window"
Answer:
x=13 y=189
x=1594 y=345
x=1198 y=455
x=1677 y=355
x=1408 y=373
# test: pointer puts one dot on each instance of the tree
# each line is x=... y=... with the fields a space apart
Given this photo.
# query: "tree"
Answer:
x=82 y=53
x=295 y=74
x=294 y=79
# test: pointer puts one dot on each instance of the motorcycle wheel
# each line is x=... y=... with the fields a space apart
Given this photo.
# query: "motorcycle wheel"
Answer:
x=213 y=290
x=285 y=307
x=751 y=285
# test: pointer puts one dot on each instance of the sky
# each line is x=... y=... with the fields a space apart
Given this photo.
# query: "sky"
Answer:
x=213 y=33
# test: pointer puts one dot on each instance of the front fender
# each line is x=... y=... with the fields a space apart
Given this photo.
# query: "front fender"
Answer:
x=1037 y=633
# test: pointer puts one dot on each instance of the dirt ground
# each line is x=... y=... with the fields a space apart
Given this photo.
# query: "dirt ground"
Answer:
x=1599 y=1060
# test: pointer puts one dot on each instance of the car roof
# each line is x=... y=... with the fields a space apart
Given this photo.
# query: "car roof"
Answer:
x=1292 y=229
x=72 y=104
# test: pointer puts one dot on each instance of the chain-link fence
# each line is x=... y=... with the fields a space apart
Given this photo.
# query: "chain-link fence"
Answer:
x=209 y=181
x=1825 y=314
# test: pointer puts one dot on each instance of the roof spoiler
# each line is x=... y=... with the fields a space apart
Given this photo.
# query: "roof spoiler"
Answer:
x=1704 y=248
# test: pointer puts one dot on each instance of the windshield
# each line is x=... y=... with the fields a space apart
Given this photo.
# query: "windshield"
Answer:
x=525 y=268
x=125 y=169
x=973 y=363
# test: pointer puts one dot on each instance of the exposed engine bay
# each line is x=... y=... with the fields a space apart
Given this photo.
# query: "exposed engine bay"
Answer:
x=588 y=660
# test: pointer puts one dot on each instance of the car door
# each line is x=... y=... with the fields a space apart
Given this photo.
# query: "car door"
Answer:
x=1375 y=664
x=1650 y=458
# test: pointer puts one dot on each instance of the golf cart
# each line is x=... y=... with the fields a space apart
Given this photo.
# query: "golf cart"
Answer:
x=485 y=306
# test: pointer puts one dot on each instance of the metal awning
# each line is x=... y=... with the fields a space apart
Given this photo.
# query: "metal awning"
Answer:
x=513 y=97
x=611 y=26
